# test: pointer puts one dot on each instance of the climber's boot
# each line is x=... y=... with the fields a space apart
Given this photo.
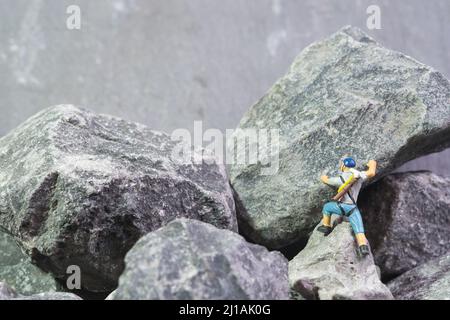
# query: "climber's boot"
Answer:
x=326 y=230
x=364 y=250
x=362 y=244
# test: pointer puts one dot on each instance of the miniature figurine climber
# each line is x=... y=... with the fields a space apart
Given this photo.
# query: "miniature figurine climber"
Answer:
x=349 y=183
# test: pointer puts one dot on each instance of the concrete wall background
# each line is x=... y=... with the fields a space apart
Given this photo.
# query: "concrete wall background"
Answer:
x=168 y=63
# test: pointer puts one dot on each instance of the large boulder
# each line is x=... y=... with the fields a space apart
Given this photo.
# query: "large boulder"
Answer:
x=77 y=188
x=343 y=95
x=430 y=281
x=189 y=259
x=17 y=270
x=8 y=293
x=331 y=268
x=407 y=220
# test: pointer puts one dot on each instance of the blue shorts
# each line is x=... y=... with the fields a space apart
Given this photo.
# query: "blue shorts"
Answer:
x=354 y=216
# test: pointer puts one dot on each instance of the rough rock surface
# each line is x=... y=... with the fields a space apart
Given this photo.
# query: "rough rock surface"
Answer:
x=189 y=259
x=17 y=270
x=407 y=220
x=331 y=268
x=7 y=293
x=78 y=188
x=343 y=95
x=430 y=281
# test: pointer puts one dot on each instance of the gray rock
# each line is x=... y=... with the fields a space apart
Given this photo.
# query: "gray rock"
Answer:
x=8 y=293
x=294 y=295
x=188 y=259
x=17 y=270
x=50 y=296
x=343 y=95
x=78 y=188
x=331 y=268
x=430 y=281
x=407 y=220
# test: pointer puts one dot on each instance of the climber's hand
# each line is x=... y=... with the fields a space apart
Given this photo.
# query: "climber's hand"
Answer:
x=372 y=169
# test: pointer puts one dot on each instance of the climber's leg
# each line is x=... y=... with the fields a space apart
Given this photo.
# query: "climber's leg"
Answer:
x=328 y=209
x=358 y=228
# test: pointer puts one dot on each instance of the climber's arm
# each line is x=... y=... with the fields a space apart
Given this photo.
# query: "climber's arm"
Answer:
x=334 y=181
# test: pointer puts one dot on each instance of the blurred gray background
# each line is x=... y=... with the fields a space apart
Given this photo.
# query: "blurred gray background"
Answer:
x=168 y=63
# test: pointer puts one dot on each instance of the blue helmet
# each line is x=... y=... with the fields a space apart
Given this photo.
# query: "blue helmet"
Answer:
x=349 y=162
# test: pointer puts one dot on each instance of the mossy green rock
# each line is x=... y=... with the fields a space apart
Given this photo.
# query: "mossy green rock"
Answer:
x=18 y=272
x=189 y=259
x=79 y=188
x=343 y=95
x=8 y=293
